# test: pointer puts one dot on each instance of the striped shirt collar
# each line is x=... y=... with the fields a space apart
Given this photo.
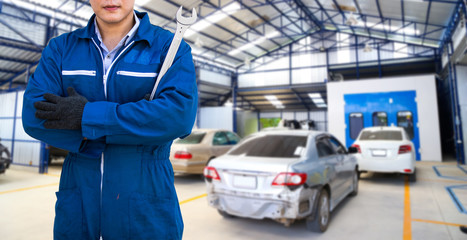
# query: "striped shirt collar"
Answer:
x=125 y=39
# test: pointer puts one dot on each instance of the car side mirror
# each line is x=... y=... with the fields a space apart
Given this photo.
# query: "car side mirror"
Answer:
x=353 y=150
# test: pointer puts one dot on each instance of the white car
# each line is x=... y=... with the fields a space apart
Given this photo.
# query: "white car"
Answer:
x=283 y=175
x=386 y=150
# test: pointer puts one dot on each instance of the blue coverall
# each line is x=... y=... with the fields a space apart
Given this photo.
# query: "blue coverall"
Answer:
x=133 y=197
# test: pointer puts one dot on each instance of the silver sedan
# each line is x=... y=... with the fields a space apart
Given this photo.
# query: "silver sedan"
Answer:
x=283 y=175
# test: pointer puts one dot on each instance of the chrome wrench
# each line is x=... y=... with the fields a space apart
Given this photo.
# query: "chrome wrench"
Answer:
x=183 y=24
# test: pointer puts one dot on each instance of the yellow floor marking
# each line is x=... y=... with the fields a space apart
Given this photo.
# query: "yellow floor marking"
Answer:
x=407 y=230
x=51 y=174
x=437 y=222
x=55 y=184
x=194 y=198
x=28 y=188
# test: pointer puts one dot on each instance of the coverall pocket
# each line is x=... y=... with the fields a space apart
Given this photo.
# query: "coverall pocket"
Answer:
x=68 y=215
x=152 y=217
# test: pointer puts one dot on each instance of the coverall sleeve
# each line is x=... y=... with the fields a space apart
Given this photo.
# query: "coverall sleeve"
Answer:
x=47 y=79
x=170 y=115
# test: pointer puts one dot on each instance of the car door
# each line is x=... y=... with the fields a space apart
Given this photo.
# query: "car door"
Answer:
x=346 y=163
x=327 y=155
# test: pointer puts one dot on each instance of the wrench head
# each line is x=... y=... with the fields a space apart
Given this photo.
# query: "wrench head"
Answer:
x=186 y=20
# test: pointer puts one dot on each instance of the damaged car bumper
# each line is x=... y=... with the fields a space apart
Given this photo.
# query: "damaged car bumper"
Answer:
x=288 y=204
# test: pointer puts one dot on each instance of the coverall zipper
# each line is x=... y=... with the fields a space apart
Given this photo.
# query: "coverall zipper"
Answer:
x=137 y=74
x=78 y=72
x=104 y=78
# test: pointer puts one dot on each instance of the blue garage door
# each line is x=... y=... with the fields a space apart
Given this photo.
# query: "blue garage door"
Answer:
x=382 y=109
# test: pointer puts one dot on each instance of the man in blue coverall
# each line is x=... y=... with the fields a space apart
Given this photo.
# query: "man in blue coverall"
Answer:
x=87 y=96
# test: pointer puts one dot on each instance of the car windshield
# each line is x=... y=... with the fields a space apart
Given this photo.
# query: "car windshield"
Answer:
x=193 y=138
x=280 y=146
x=381 y=135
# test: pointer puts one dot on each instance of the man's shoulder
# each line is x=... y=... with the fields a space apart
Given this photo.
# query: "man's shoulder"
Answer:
x=160 y=34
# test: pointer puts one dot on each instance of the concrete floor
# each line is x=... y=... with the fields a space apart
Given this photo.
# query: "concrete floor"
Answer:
x=385 y=208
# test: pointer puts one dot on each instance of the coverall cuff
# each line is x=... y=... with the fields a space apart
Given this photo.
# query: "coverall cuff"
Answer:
x=95 y=115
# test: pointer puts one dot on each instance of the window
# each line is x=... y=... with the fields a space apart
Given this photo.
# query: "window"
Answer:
x=193 y=138
x=232 y=137
x=343 y=50
x=356 y=124
x=405 y=120
x=220 y=139
x=338 y=147
x=380 y=119
x=381 y=135
x=324 y=147
x=280 y=146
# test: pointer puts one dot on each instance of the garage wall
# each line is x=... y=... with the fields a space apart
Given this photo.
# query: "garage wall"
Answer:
x=462 y=95
x=424 y=85
x=216 y=117
x=303 y=68
x=214 y=77
x=320 y=117
x=24 y=149
x=247 y=123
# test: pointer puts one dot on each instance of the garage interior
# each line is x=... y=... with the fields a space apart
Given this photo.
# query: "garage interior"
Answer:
x=259 y=62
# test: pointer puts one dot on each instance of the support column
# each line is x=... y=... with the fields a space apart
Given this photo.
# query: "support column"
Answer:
x=234 y=101
x=457 y=118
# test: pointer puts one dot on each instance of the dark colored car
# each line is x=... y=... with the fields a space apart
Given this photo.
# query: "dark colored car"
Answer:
x=5 y=158
x=55 y=152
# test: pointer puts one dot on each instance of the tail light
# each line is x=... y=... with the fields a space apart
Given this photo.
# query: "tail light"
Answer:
x=405 y=149
x=183 y=155
x=289 y=179
x=210 y=173
x=408 y=170
x=357 y=147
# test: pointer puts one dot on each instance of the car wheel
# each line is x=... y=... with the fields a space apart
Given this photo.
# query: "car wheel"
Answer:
x=413 y=176
x=355 y=183
x=322 y=214
x=5 y=157
x=224 y=214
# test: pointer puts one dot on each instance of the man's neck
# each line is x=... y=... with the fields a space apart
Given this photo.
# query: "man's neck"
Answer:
x=112 y=34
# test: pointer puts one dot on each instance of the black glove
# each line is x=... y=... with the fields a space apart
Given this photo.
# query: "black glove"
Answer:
x=61 y=112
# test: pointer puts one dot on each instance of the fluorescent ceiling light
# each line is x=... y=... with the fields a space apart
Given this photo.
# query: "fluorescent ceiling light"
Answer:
x=213 y=18
x=256 y=42
x=322 y=105
x=317 y=99
x=44 y=9
x=314 y=95
x=274 y=101
x=196 y=50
